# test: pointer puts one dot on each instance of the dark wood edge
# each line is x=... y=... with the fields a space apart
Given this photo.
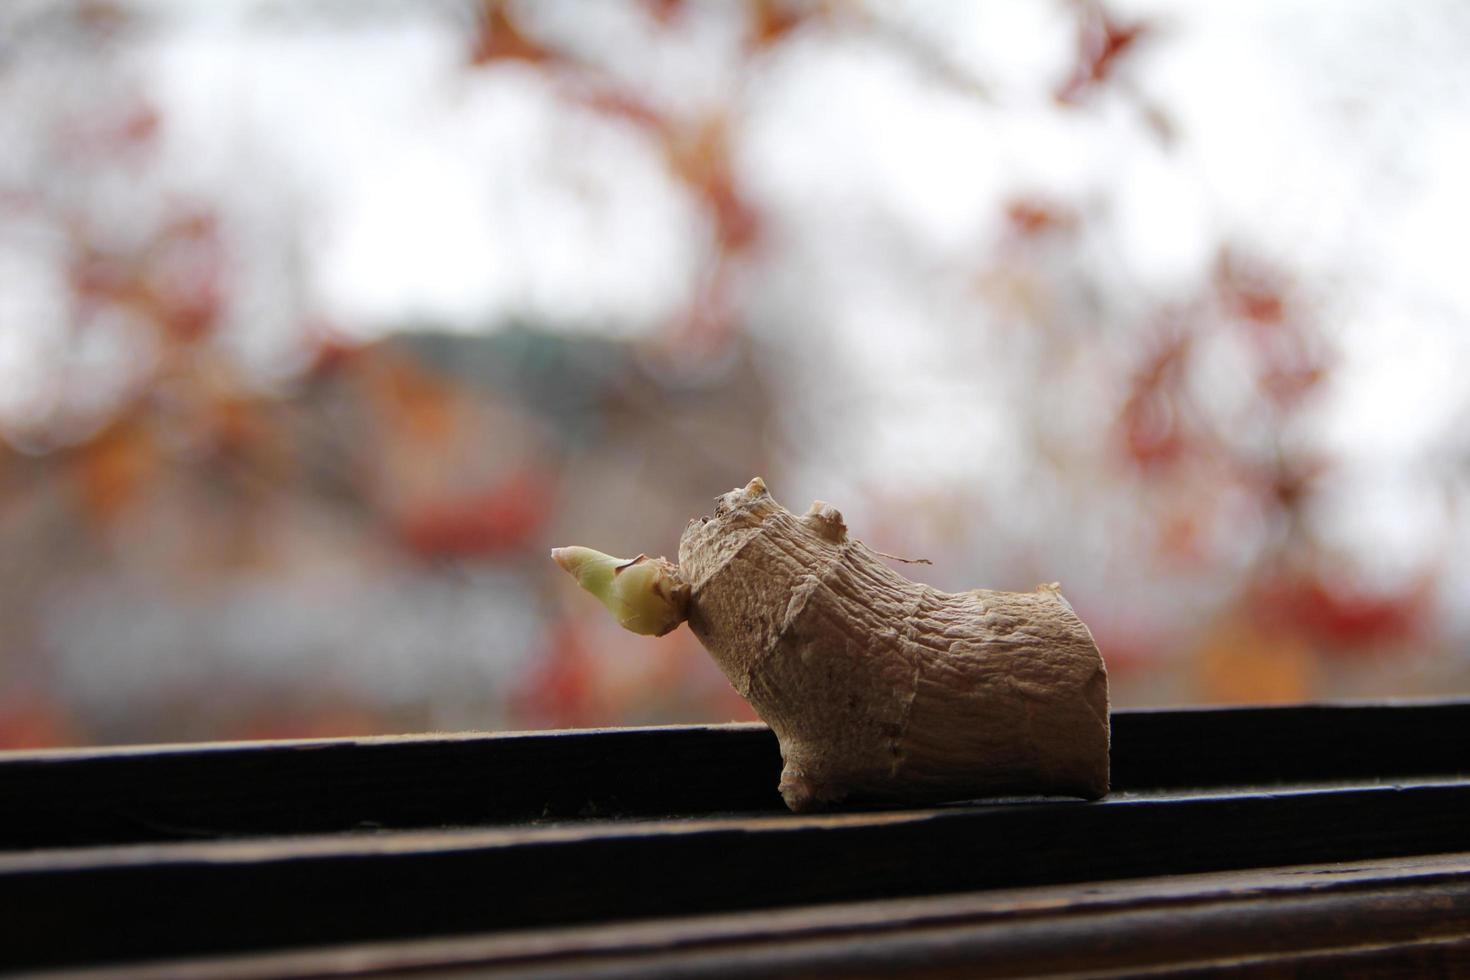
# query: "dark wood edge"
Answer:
x=137 y=794
x=427 y=740
x=465 y=840
x=1440 y=957
x=197 y=898
x=1354 y=712
x=1414 y=911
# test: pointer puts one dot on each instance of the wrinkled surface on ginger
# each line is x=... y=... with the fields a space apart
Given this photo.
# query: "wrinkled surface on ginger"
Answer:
x=880 y=688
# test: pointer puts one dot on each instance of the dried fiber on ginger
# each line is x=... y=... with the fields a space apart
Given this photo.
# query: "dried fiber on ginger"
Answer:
x=878 y=688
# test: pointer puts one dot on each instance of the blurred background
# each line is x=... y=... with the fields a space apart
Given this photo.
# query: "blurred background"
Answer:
x=321 y=321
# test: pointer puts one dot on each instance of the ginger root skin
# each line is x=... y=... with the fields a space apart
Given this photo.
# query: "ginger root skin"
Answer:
x=886 y=690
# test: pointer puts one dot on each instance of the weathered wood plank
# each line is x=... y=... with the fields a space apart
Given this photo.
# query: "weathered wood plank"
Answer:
x=196 y=898
x=1303 y=917
x=242 y=789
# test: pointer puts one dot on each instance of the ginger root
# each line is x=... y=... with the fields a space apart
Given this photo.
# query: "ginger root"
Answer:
x=878 y=688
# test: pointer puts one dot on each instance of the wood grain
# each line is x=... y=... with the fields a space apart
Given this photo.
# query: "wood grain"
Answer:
x=556 y=852
x=1279 y=920
x=145 y=901
x=136 y=794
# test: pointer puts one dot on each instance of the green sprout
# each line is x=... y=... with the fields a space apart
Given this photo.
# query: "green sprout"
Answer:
x=645 y=595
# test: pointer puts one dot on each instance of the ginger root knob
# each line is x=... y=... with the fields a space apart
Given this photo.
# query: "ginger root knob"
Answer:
x=877 y=687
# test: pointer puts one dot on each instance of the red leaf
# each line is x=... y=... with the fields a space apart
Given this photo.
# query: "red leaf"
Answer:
x=1031 y=218
x=665 y=12
x=1345 y=620
x=624 y=106
x=561 y=691
x=1151 y=429
x=502 y=518
x=702 y=161
x=500 y=39
x=1101 y=43
x=1151 y=423
x=34 y=724
x=112 y=469
x=772 y=20
x=1250 y=290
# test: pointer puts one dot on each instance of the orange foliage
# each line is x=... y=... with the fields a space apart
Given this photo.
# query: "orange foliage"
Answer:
x=561 y=691
x=501 y=518
x=1341 y=619
x=772 y=20
x=35 y=724
x=1242 y=663
x=1249 y=290
x=175 y=281
x=499 y=38
x=415 y=399
x=329 y=354
x=665 y=12
x=1101 y=43
x=698 y=156
x=1291 y=362
x=187 y=272
x=112 y=469
x=1179 y=540
x=701 y=159
x=624 y=105
x=141 y=126
x=238 y=428
x=1151 y=423
x=1031 y=218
